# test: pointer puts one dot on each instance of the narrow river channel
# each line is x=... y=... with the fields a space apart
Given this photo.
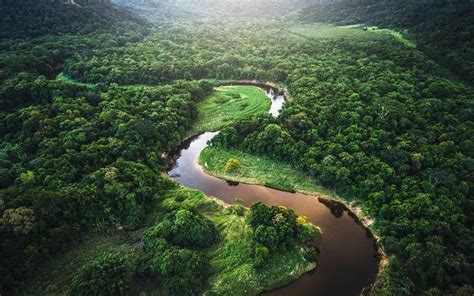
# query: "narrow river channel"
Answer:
x=348 y=259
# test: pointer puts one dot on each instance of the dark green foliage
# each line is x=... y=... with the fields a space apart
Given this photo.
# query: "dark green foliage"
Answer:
x=109 y=274
x=37 y=18
x=182 y=271
x=275 y=227
x=375 y=120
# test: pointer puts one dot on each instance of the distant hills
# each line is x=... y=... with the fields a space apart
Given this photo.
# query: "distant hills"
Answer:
x=443 y=29
x=57 y=17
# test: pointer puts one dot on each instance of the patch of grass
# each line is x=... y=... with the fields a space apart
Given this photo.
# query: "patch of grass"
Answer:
x=62 y=77
x=258 y=170
x=325 y=31
x=399 y=36
x=228 y=104
x=353 y=32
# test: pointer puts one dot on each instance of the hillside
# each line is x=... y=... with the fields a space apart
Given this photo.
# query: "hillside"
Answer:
x=441 y=29
x=37 y=18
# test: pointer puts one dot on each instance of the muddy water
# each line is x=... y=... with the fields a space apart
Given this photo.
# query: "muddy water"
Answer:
x=348 y=258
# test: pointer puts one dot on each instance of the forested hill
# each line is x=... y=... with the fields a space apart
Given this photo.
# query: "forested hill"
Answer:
x=221 y=8
x=442 y=29
x=37 y=37
x=28 y=19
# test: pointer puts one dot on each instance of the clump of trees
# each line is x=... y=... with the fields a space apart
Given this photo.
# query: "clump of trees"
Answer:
x=173 y=252
x=276 y=228
x=185 y=229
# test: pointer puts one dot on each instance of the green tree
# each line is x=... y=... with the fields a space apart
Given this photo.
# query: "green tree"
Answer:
x=232 y=165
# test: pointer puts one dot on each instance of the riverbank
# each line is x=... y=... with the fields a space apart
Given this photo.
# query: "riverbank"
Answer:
x=270 y=173
x=340 y=227
x=231 y=260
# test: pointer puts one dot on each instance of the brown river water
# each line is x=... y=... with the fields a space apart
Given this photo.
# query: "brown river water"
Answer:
x=348 y=259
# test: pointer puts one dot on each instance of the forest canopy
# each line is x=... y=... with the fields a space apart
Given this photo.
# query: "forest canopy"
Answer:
x=94 y=100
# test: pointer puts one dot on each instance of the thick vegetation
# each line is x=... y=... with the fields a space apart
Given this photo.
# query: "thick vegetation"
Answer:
x=87 y=17
x=170 y=257
x=377 y=124
x=442 y=29
x=369 y=116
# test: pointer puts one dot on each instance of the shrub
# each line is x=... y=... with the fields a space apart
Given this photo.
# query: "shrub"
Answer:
x=232 y=166
x=267 y=236
x=193 y=231
x=109 y=274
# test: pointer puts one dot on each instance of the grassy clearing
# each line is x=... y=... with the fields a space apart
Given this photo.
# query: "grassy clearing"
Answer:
x=399 y=36
x=228 y=104
x=258 y=170
x=352 y=32
x=232 y=272
x=62 y=77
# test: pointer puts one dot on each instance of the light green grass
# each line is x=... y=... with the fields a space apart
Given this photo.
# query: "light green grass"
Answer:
x=62 y=77
x=231 y=269
x=353 y=32
x=258 y=170
x=399 y=36
x=228 y=104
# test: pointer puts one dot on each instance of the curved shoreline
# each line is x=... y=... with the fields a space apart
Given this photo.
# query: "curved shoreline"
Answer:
x=334 y=203
x=354 y=211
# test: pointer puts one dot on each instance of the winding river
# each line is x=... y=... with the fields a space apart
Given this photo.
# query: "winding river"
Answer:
x=348 y=259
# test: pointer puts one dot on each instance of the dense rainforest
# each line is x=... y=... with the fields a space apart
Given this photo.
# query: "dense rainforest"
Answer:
x=442 y=29
x=94 y=99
